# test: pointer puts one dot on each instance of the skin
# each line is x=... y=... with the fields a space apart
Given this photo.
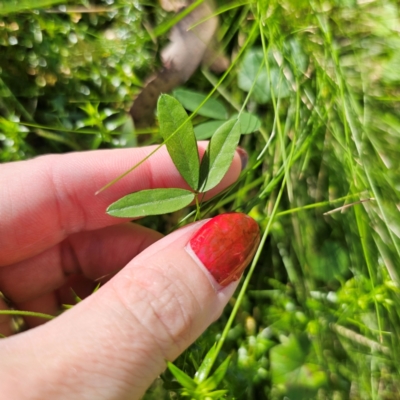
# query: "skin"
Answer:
x=54 y=235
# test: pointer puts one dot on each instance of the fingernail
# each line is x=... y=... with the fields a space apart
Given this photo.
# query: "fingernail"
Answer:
x=225 y=245
x=244 y=157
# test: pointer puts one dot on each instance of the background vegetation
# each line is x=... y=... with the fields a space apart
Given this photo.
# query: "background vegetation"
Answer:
x=318 y=313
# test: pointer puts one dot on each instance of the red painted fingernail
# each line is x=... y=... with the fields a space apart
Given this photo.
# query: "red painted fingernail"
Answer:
x=225 y=245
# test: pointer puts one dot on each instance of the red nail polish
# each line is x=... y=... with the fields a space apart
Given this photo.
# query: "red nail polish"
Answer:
x=225 y=245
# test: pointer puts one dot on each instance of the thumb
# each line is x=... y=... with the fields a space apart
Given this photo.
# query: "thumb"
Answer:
x=115 y=343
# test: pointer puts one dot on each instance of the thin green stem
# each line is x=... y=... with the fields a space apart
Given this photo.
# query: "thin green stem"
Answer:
x=227 y=72
x=26 y=314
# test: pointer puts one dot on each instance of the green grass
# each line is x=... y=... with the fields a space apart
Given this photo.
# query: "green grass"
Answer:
x=317 y=315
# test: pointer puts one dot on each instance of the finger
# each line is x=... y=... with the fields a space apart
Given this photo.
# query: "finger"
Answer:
x=53 y=196
x=76 y=287
x=92 y=254
x=45 y=304
x=117 y=340
x=74 y=290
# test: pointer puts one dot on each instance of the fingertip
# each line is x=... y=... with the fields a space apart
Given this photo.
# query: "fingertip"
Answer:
x=244 y=157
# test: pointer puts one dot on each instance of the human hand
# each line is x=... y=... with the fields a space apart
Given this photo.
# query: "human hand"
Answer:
x=55 y=235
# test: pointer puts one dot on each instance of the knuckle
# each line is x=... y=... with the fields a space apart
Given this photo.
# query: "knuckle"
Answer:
x=164 y=308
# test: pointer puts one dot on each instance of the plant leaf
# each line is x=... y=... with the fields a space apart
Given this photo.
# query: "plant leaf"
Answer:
x=291 y=364
x=96 y=288
x=181 y=144
x=213 y=381
x=218 y=394
x=185 y=380
x=191 y=101
x=75 y=296
x=249 y=72
x=219 y=154
x=150 y=202
x=17 y=6
x=249 y=123
x=206 y=365
x=207 y=129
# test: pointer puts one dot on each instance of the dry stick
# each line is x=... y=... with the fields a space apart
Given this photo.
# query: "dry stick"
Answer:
x=356 y=337
x=81 y=10
x=342 y=208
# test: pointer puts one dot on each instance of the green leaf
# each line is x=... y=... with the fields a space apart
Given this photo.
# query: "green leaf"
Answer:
x=197 y=394
x=128 y=136
x=150 y=202
x=219 y=154
x=330 y=262
x=206 y=365
x=185 y=380
x=249 y=123
x=213 y=381
x=207 y=129
x=22 y=5
x=294 y=52
x=218 y=394
x=181 y=142
x=191 y=101
x=291 y=364
x=261 y=90
x=75 y=296
x=96 y=288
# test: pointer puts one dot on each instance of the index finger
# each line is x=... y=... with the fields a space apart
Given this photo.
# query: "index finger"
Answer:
x=44 y=200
